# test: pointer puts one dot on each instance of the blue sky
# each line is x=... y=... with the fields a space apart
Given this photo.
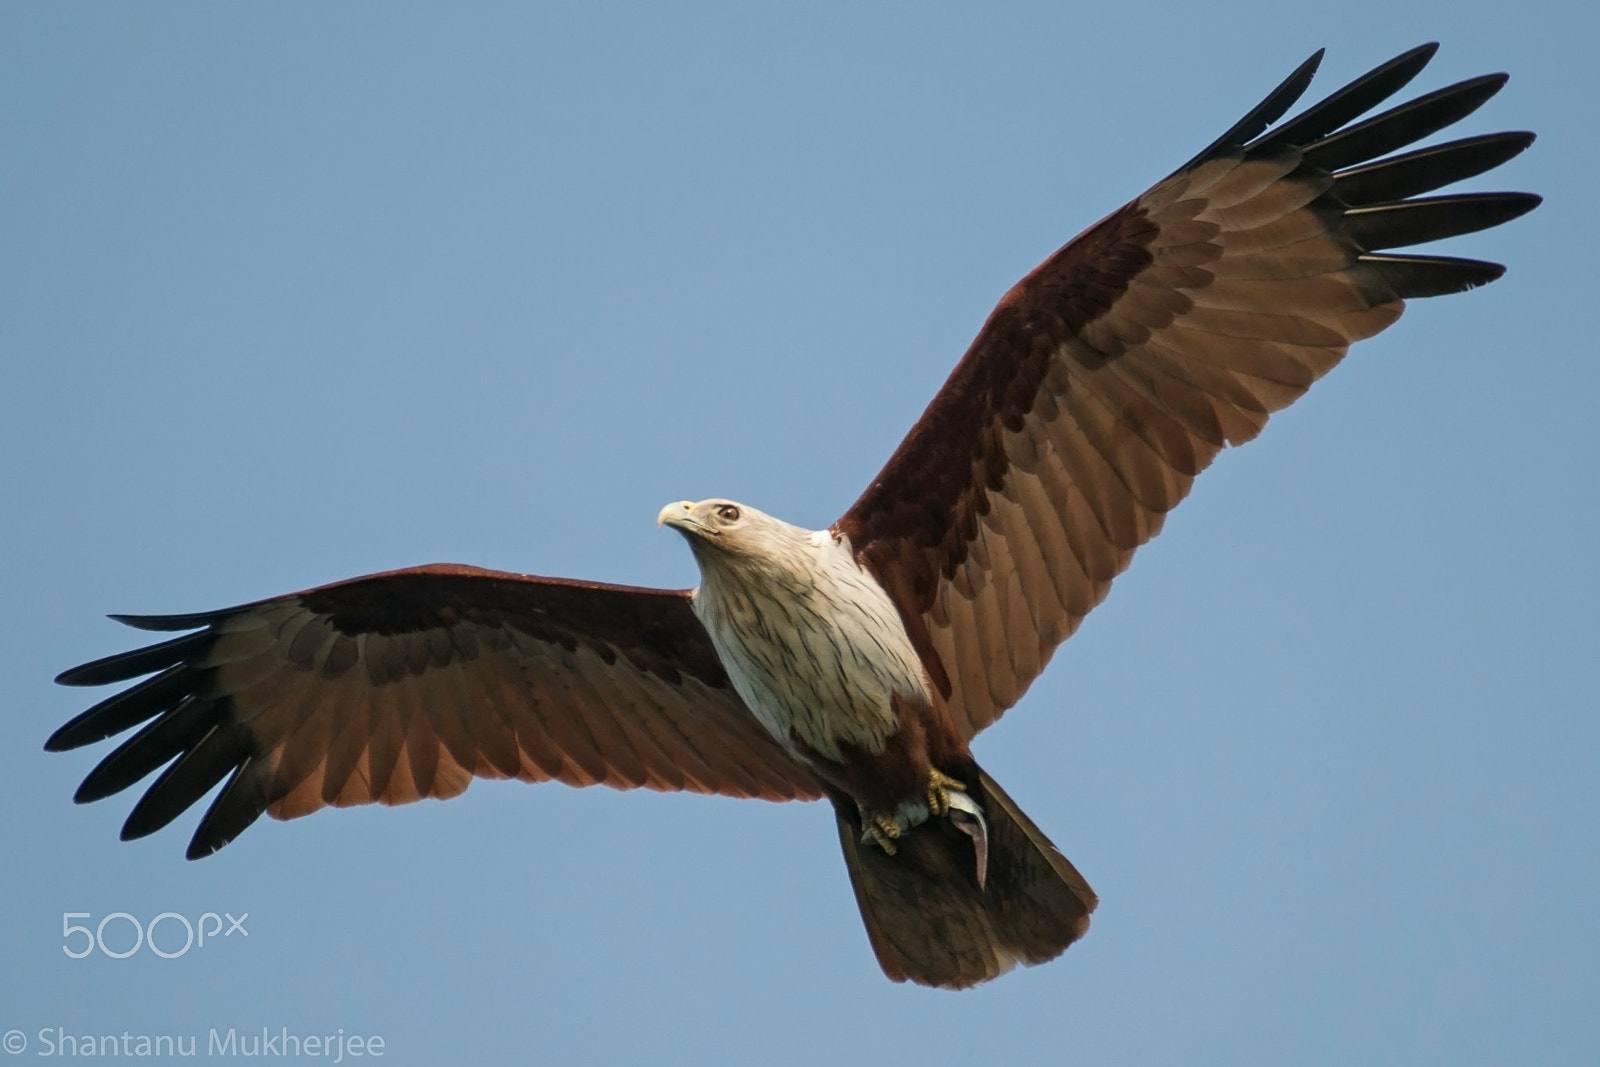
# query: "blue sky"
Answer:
x=298 y=292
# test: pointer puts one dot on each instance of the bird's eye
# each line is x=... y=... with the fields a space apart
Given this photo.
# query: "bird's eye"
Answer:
x=728 y=513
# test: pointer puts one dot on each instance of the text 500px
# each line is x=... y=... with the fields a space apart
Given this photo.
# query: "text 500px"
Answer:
x=170 y=923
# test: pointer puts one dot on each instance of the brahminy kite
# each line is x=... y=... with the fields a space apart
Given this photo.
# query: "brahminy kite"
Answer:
x=856 y=663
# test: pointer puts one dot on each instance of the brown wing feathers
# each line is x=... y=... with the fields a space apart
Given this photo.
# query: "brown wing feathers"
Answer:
x=406 y=685
x=1100 y=386
x=1115 y=372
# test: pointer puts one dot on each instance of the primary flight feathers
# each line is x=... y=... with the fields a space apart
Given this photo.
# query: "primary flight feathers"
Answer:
x=1101 y=384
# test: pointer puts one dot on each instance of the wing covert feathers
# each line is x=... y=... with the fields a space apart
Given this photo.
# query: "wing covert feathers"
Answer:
x=406 y=685
x=1112 y=374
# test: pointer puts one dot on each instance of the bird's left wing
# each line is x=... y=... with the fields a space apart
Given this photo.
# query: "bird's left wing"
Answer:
x=405 y=685
x=1110 y=376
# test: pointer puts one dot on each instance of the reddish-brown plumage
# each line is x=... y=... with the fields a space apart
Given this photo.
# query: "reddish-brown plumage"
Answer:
x=1101 y=384
x=899 y=773
x=930 y=488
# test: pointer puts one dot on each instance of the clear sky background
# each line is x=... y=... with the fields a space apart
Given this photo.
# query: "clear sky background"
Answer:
x=297 y=292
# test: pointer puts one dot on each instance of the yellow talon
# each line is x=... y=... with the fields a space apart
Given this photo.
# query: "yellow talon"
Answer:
x=938 y=796
x=881 y=830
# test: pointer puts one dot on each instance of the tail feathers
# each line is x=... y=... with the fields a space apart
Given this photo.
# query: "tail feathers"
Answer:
x=929 y=921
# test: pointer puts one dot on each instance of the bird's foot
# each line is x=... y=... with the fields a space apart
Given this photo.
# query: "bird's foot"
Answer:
x=939 y=786
x=881 y=830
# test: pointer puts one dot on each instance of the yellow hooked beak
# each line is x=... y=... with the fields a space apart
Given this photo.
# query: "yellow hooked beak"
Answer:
x=677 y=515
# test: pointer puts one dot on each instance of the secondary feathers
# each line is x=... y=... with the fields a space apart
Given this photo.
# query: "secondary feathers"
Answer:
x=1100 y=386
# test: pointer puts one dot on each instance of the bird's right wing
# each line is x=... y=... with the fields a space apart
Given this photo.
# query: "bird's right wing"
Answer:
x=405 y=685
x=1117 y=370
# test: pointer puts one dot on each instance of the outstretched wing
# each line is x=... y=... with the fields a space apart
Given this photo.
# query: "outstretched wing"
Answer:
x=406 y=685
x=1115 y=372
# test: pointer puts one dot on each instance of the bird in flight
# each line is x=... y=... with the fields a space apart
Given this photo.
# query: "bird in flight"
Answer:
x=856 y=663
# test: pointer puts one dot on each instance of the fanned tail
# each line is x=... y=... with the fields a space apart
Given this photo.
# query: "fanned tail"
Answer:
x=929 y=921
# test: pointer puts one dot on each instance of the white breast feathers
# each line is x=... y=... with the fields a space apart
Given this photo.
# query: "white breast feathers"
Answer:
x=811 y=641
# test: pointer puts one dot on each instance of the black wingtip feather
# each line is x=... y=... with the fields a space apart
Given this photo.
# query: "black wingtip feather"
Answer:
x=1415 y=277
x=161 y=623
x=1264 y=114
x=239 y=804
x=141 y=661
x=128 y=708
x=1428 y=168
x=1350 y=102
x=1405 y=124
x=148 y=749
x=212 y=759
x=1415 y=222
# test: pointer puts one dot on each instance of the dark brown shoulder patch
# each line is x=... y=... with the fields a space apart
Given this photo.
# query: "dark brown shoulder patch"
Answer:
x=654 y=628
x=931 y=492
